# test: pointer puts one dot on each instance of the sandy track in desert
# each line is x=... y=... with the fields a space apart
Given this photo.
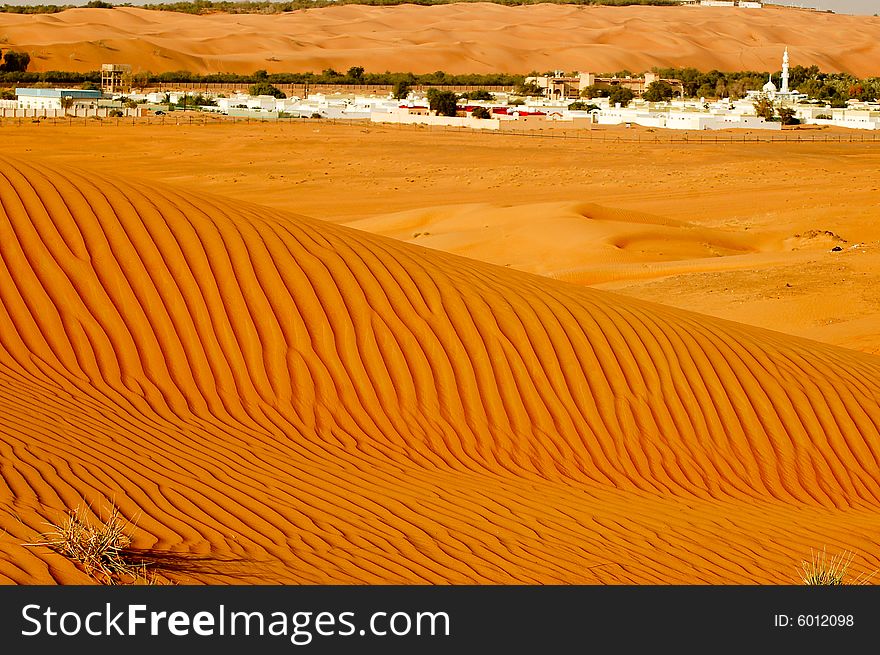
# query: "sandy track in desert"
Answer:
x=455 y=38
x=280 y=399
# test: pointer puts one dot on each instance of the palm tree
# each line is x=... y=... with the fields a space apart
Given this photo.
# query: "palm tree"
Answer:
x=66 y=103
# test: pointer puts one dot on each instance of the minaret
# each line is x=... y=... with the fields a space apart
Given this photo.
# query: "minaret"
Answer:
x=784 y=88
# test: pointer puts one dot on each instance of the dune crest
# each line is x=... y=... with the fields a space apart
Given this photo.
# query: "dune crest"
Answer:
x=280 y=399
x=455 y=38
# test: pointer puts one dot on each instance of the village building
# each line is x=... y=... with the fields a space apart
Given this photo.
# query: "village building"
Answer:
x=559 y=86
x=52 y=99
x=115 y=78
x=501 y=118
x=550 y=110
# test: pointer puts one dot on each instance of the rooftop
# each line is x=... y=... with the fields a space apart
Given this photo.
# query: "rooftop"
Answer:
x=58 y=93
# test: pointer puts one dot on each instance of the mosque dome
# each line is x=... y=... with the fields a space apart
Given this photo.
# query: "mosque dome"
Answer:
x=770 y=87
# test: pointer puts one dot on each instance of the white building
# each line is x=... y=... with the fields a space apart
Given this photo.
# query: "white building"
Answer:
x=681 y=115
x=861 y=117
x=339 y=106
x=501 y=118
x=51 y=99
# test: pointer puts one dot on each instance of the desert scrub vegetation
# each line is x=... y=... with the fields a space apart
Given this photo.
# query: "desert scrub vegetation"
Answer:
x=102 y=547
x=833 y=571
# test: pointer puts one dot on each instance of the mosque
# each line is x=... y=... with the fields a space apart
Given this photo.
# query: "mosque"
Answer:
x=782 y=93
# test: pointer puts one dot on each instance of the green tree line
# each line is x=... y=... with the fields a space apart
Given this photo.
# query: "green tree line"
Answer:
x=353 y=76
x=834 y=88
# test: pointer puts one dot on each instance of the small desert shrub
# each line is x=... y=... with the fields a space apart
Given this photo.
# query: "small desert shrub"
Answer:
x=821 y=570
x=100 y=548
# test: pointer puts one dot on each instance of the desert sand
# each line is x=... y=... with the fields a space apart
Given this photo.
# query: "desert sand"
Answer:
x=738 y=231
x=456 y=38
x=276 y=398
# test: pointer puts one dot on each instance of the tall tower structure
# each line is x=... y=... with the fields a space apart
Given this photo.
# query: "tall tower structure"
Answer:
x=784 y=88
x=115 y=78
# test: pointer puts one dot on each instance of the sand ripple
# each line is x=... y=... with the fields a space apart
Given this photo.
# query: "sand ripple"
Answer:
x=278 y=399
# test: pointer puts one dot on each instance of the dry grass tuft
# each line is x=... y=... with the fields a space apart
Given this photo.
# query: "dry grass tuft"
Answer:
x=823 y=571
x=101 y=548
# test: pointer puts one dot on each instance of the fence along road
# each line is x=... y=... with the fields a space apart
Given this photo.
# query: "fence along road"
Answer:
x=592 y=135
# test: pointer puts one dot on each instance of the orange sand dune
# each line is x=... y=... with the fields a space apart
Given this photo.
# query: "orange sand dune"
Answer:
x=456 y=38
x=530 y=192
x=772 y=273
x=280 y=399
x=593 y=242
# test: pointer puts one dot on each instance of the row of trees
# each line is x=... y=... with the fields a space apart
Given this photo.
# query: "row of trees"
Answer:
x=261 y=82
x=50 y=78
x=356 y=75
x=834 y=88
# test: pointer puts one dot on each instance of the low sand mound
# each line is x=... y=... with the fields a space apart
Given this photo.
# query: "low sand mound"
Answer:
x=562 y=238
x=456 y=38
x=277 y=399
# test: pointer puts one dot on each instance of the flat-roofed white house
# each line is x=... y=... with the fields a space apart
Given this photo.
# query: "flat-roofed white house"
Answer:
x=855 y=119
x=50 y=99
x=682 y=119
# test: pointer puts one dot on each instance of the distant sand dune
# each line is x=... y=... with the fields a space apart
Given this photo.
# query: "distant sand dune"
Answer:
x=456 y=38
x=280 y=399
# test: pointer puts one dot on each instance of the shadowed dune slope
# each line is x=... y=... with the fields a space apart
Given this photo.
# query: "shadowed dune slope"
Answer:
x=456 y=38
x=278 y=399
